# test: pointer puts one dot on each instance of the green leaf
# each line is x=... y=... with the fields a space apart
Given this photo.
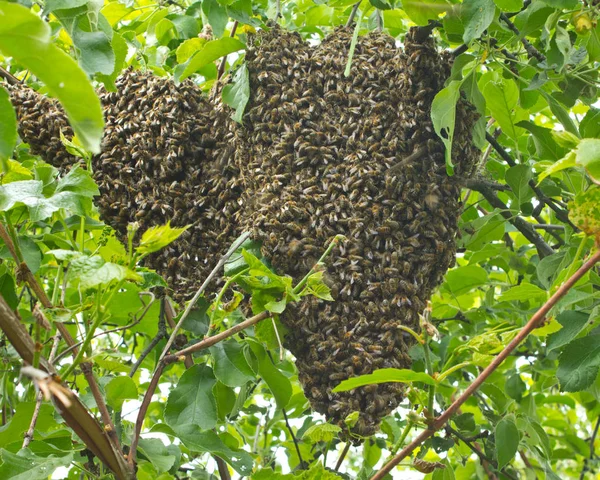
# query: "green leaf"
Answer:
x=588 y=155
x=209 y=441
x=231 y=366
x=237 y=94
x=120 y=389
x=464 y=279
x=88 y=272
x=211 y=51
x=517 y=178
x=26 y=466
x=579 y=363
x=501 y=99
x=560 y=113
x=157 y=453
x=225 y=398
x=95 y=51
x=192 y=401
x=120 y=48
x=507 y=440
x=217 y=16
x=30 y=194
x=477 y=16
x=573 y=323
x=324 y=432
x=8 y=291
x=421 y=12
x=443 y=116
x=509 y=5
x=515 y=387
x=156 y=238
x=188 y=48
x=566 y=162
x=78 y=181
x=524 y=291
x=465 y=422
x=589 y=127
x=545 y=145
x=385 y=375
x=52 y=5
x=26 y=38
x=8 y=126
x=277 y=382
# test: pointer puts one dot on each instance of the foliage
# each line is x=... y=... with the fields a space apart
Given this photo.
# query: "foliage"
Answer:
x=530 y=69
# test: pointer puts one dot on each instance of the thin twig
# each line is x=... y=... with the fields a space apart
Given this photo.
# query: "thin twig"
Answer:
x=586 y=466
x=353 y=13
x=221 y=70
x=40 y=397
x=548 y=227
x=477 y=451
x=289 y=427
x=114 y=330
x=342 y=456
x=200 y=291
x=162 y=333
x=531 y=325
x=222 y=466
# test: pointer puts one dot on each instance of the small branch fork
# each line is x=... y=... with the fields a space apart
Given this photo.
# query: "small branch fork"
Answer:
x=586 y=465
x=166 y=359
x=531 y=325
x=531 y=50
x=562 y=215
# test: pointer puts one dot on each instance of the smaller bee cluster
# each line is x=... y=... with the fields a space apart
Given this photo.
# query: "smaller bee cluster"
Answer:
x=164 y=158
x=322 y=154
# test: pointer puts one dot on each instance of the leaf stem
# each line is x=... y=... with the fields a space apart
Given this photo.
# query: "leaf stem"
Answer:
x=337 y=239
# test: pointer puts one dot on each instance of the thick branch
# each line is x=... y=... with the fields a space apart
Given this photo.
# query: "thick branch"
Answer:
x=531 y=325
x=353 y=13
x=9 y=77
x=524 y=227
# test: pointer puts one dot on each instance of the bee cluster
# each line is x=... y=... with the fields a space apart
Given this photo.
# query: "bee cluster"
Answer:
x=319 y=154
x=324 y=154
x=161 y=161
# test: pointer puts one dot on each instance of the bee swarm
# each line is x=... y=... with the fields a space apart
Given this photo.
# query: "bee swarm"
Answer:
x=319 y=154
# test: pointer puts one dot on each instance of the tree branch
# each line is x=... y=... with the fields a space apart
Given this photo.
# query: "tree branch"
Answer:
x=531 y=50
x=221 y=70
x=531 y=325
x=342 y=456
x=9 y=77
x=560 y=213
x=353 y=13
x=524 y=227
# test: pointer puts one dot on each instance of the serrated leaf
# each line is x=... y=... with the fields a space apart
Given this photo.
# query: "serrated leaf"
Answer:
x=573 y=323
x=192 y=401
x=579 y=363
x=88 y=272
x=588 y=155
x=156 y=238
x=443 y=116
x=385 y=375
x=507 y=440
x=157 y=453
x=324 y=432
x=231 y=366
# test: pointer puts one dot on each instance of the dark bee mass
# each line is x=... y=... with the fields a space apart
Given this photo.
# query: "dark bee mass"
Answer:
x=319 y=154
